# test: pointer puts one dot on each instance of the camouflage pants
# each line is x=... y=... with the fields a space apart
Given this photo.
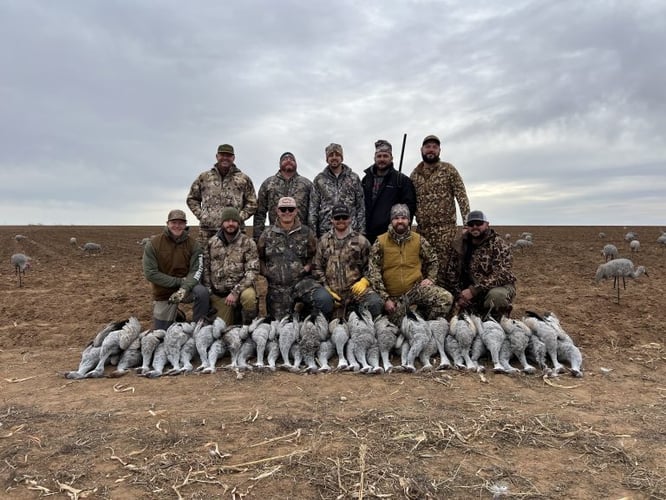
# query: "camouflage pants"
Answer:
x=441 y=238
x=431 y=302
x=203 y=238
x=279 y=301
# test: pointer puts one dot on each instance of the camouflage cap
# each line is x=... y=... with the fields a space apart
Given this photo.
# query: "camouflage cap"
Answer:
x=226 y=149
x=431 y=138
x=231 y=213
x=399 y=210
x=333 y=148
x=382 y=146
x=176 y=215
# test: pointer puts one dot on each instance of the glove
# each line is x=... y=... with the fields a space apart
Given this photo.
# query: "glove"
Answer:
x=360 y=287
x=177 y=296
x=335 y=296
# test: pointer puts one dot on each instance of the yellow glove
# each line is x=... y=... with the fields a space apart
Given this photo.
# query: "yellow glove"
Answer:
x=360 y=287
x=335 y=296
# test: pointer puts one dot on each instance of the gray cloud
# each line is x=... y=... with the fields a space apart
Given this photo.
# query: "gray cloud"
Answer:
x=552 y=112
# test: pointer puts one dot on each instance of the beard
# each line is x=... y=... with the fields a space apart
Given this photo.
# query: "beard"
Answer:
x=430 y=160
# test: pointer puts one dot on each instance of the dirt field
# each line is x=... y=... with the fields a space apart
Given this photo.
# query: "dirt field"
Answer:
x=339 y=435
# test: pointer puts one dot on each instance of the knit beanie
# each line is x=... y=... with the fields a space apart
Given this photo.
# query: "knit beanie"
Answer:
x=399 y=210
x=230 y=213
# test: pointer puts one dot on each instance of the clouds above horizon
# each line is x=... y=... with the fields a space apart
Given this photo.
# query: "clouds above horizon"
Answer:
x=552 y=112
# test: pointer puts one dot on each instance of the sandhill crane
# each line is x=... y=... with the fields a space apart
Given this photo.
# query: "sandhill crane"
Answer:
x=288 y=331
x=609 y=252
x=463 y=330
x=204 y=336
x=619 y=268
x=339 y=336
x=517 y=339
x=492 y=338
x=362 y=349
x=417 y=332
x=21 y=263
x=114 y=343
x=440 y=328
x=566 y=349
x=313 y=331
x=387 y=337
x=545 y=331
x=90 y=248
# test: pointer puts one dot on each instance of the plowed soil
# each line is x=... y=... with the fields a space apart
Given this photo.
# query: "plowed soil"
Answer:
x=443 y=434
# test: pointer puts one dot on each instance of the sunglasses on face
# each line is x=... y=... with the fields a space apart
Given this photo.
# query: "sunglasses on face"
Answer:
x=475 y=223
x=340 y=217
x=286 y=209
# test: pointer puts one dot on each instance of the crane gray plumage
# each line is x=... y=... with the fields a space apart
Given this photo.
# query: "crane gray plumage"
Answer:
x=517 y=339
x=453 y=351
x=609 y=252
x=21 y=263
x=89 y=358
x=174 y=340
x=536 y=352
x=247 y=349
x=522 y=244
x=463 y=330
x=313 y=331
x=362 y=350
x=129 y=358
x=616 y=269
x=440 y=329
x=339 y=336
x=150 y=339
x=325 y=353
x=492 y=336
x=417 y=333
x=262 y=333
x=387 y=335
x=204 y=336
x=216 y=350
x=288 y=332
x=114 y=343
x=20 y=237
x=89 y=248
x=233 y=338
x=566 y=349
x=159 y=361
x=547 y=334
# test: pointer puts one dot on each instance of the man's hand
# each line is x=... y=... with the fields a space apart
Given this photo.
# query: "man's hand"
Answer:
x=360 y=287
x=177 y=296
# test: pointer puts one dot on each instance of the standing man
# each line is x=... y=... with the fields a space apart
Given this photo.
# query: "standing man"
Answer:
x=286 y=251
x=480 y=269
x=173 y=263
x=336 y=184
x=222 y=186
x=230 y=267
x=438 y=186
x=383 y=187
x=341 y=265
x=286 y=183
x=403 y=270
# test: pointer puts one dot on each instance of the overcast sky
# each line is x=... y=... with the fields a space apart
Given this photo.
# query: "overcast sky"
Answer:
x=553 y=112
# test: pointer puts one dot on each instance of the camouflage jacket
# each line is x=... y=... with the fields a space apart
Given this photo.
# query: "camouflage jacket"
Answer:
x=396 y=188
x=340 y=263
x=329 y=190
x=490 y=264
x=411 y=247
x=283 y=254
x=438 y=188
x=170 y=263
x=211 y=192
x=274 y=188
x=230 y=266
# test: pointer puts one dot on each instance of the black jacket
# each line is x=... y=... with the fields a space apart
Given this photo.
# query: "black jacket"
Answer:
x=397 y=188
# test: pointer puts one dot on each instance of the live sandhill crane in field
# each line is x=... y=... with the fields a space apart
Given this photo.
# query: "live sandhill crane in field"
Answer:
x=90 y=248
x=609 y=252
x=21 y=263
x=616 y=269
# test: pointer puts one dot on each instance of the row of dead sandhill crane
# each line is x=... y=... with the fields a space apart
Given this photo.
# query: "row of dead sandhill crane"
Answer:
x=361 y=344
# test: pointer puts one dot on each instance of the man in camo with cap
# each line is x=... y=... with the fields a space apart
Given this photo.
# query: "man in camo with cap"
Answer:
x=286 y=251
x=286 y=183
x=438 y=186
x=336 y=184
x=173 y=263
x=224 y=185
x=480 y=269
x=230 y=268
x=403 y=271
